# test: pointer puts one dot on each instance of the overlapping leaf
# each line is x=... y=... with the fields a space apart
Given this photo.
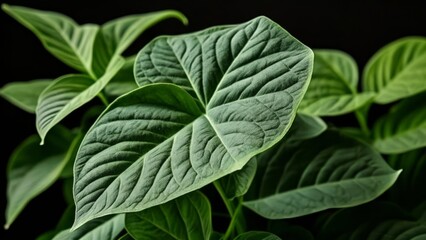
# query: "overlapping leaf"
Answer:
x=404 y=128
x=333 y=88
x=158 y=142
x=187 y=217
x=397 y=70
x=60 y=35
x=24 y=94
x=117 y=35
x=328 y=171
x=257 y=235
x=33 y=168
x=67 y=94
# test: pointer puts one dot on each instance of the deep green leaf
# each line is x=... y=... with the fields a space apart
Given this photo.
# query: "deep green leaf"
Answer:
x=237 y=183
x=289 y=231
x=68 y=93
x=329 y=171
x=60 y=35
x=117 y=35
x=397 y=70
x=24 y=94
x=187 y=217
x=105 y=228
x=47 y=235
x=333 y=88
x=404 y=128
x=257 y=235
x=33 y=168
x=412 y=178
x=155 y=144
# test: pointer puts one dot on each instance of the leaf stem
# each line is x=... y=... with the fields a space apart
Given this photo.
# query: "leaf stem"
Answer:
x=103 y=98
x=232 y=210
x=362 y=122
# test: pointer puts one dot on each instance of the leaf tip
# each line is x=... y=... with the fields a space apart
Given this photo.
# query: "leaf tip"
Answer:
x=5 y=7
x=6 y=226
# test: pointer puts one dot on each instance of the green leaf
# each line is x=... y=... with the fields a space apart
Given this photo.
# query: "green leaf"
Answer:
x=186 y=217
x=412 y=178
x=67 y=94
x=33 y=168
x=124 y=81
x=159 y=144
x=106 y=228
x=289 y=231
x=372 y=221
x=117 y=35
x=397 y=70
x=257 y=235
x=60 y=35
x=24 y=94
x=333 y=88
x=404 y=128
x=329 y=171
x=305 y=127
x=237 y=183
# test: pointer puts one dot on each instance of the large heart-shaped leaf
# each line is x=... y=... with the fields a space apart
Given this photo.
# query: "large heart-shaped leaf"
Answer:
x=329 y=171
x=33 y=168
x=397 y=70
x=67 y=94
x=24 y=94
x=157 y=143
x=60 y=35
x=333 y=88
x=117 y=35
x=404 y=128
x=187 y=217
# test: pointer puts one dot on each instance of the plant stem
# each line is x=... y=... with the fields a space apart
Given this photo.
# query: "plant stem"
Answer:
x=103 y=98
x=362 y=122
x=233 y=212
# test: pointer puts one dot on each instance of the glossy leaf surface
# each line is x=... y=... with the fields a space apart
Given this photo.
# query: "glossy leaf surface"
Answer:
x=158 y=142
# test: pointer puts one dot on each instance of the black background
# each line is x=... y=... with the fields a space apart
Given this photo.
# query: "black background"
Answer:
x=359 y=28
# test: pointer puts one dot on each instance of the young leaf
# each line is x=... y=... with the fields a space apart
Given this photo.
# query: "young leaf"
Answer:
x=397 y=70
x=333 y=88
x=24 y=94
x=117 y=35
x=68 y=93
x=60 y=35
x=106 y=228
x=155 y=144
x=33 y=168
x=186 y=217
x=257 y=235
x=404 y=128
x=329 y=171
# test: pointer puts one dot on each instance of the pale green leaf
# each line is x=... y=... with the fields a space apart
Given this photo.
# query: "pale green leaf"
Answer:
x=397 y=70
x=106 y=228
x=33 y=168
x=68 y=93
x=24 y=94
x=333 y=88
x=60 y=35
x=117 y=35
x=329 y=171
x=404 y=128
x=187 y=217
x=158 y=142
x=257 y=235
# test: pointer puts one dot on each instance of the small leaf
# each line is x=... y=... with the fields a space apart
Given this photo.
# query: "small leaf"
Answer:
x=67 y=94
x=24 y=94
x=33 y=168
x=117 y=35
x=257 y=235
x=333 y=88
x=237 y=183
x=60 y=35
x=397 y=70
x=158 y=142
x=404 y=128
x=186 y=217
x=329 y=171
x=106 y=228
